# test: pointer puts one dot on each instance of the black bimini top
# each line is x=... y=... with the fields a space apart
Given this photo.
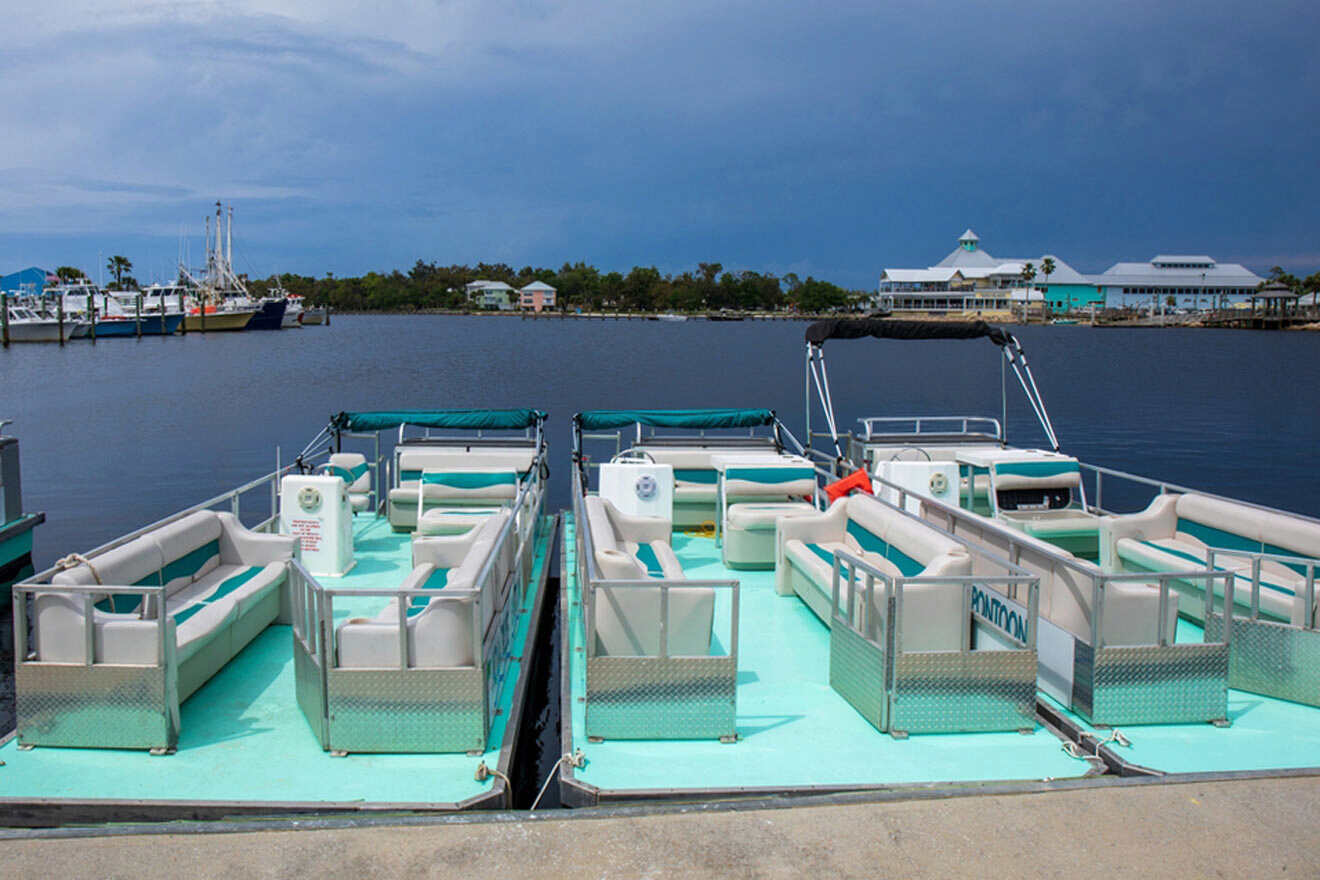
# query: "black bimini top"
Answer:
x=885 y=328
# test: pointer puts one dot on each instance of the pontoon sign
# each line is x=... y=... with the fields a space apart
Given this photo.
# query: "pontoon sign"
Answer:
x=1008 y=617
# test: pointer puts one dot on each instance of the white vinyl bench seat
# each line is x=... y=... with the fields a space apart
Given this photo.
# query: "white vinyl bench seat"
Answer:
x=455 y=477
x=1178 y=532
x=627 y=619
x=453 y=520
x=441 y=631
x=221 y=586
x=893 y=543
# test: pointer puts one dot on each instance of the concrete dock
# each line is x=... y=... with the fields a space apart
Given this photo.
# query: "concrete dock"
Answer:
x=1240 y=828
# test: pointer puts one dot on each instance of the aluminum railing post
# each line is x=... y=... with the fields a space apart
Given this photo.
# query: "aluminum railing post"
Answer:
x=1097 y=612
x=403 y=630
x=664 y=620
x=1308 y=598
x=1161 y=627
x=1255 y=587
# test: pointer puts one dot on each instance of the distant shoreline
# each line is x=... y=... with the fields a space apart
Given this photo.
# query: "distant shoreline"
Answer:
x=1000 y=319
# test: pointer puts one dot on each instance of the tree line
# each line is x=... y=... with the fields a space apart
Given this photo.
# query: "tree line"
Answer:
x=577 y=285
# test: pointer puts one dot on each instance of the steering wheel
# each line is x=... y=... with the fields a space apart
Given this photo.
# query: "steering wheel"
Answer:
x=633 y=454
x=895 y=456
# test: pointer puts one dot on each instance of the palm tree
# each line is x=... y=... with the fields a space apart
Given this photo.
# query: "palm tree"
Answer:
x=1028 y=275
x=1047 y=269
x=118 y=265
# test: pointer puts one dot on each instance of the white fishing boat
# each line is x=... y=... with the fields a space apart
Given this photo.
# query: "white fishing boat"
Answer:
x=26 y=325
x=293 y=309
x=219 y=300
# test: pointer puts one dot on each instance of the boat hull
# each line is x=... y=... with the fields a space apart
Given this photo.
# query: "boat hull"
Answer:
x=43 y=331
x=313 y=316
x=217 y=322
x=152 y=325
x=270 y=316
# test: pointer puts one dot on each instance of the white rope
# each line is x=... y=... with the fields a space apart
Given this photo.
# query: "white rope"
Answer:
x=76 y=559
x=1075 y=750
x=576 y=759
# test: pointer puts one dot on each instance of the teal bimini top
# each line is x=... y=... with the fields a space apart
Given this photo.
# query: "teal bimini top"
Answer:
x=601 y=419
x=471 y=419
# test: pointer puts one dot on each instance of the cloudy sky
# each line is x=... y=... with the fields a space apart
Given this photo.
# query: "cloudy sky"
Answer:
x=826 y=138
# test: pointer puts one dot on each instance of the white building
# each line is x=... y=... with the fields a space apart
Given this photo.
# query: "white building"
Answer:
x=970 y=279
x=1194 y=282
x=491 y=295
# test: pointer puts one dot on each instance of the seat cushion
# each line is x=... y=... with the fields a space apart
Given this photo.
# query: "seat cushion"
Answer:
x=190 y=548
x=816 y=560
x=453 y=520
x=1279 y=585
x=762 y=517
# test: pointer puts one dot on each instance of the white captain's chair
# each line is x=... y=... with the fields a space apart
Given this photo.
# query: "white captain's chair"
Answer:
x=353 y=469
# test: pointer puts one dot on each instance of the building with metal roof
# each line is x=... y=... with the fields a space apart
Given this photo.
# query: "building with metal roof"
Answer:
x=971 y=279
x=25 y=281
x=537 y=296
x=1192 y=281
x=491 y=294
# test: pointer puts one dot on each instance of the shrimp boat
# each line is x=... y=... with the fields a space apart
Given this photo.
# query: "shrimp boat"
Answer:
x=725 y=634
x=360 y=644
x=1188 y=618
x=220 y=300
x=16 y=525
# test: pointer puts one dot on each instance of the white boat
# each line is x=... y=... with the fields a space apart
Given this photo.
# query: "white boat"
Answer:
x=1198 y=608
x=293 y=310
x=669 y=316
x=25 y=325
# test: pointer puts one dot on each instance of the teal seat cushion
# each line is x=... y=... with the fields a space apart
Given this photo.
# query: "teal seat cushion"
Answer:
x=224 y=588
x=647 y=557
x=437 y=580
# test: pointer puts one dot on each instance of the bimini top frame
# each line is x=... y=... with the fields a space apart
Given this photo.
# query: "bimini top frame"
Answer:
x=693 y=419
x=884 y=328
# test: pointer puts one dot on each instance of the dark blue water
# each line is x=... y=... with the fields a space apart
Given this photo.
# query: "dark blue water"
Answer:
x=127 y=431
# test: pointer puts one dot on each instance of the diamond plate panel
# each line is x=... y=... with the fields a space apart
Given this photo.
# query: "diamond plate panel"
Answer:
x=1149 y=684
x=964 y=691
x=1270 y=658
x=101 y=706
x=661 y=697
x=857 y=672
x=307 y=687
x=406 y=710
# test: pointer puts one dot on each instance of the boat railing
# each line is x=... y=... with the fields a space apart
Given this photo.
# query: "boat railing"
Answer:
x=905 y=691
x=137 y=706
x=436 y=709
x=1273 y=657
x=230 y=500
x=1159 y=681
x=1097 y=474
x=1256 y=559
x=889 y=427
x=660 y=696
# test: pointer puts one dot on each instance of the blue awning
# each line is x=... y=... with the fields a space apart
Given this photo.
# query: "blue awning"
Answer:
x=601 y=419
x=470 y=419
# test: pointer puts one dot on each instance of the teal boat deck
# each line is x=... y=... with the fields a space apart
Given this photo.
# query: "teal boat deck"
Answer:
x=245 y=743
x=1265 y=734
x=795 y=733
